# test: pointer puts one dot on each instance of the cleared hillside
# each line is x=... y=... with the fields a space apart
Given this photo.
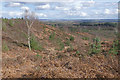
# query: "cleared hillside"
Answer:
x=55 y=53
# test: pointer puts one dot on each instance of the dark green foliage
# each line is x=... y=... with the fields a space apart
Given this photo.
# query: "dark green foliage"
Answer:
x=110 y=24
x=22 y=18
x=95 y=48
x=77 y=52
x=52 y=36
x=54 y=25
x=115 y=47
x=86 y=24
x=71 y=38
x=35 y=44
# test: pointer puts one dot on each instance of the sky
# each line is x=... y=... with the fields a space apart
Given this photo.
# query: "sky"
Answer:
x=61 y=9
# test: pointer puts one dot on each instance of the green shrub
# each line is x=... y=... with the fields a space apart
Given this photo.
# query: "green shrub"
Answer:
x=11 y=23
x=35 y=44
x=61 y=46
x=70 y=49
x=95 y=48
x=39 y=55
x=85 y=38
x=114 y=49
x=5 y=47
x=71 y=38
x=53 y=25
x=77 y=52
x=67 y=42
x=5 y=20
x=4 y=27
x=52 y=36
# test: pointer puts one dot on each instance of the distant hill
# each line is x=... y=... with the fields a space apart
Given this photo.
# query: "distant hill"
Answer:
x=82 y=20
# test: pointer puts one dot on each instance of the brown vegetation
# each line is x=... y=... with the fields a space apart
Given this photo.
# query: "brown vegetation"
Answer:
x=59 y=56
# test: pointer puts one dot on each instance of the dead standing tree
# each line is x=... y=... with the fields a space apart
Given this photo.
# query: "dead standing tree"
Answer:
x=29 y=19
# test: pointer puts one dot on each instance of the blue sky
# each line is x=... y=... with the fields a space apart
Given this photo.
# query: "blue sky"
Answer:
x=64 y=9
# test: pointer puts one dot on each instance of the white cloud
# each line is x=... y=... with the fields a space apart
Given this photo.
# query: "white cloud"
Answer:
x=62 y=8
x=61 y=0
x=96 y=12
x=15 y=13
x=116 y=11
x=78 y=6
x=91 y=2
x=88 y=3
x=83 y=14
x=25 y=8
x=40 y=0
x=76 y=13
x=11 y=4
x=111 y=11
x=66 y=9
x=41 y=15
x=20 y=14
x=47 y=6
x=107 y=11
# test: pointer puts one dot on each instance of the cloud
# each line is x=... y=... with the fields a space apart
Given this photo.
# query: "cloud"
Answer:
x=76 y=9
x=76 y=13
x=20 y=14
x=117 y=11
x=25 y=8
x=41 y=15
x=107 y=11
x=111 y=11
x=15 y=13
x=62 y=8
x=40 y=7
x=11 y=4
x=61 y=0
x=91 y=2
x=83 y=14
x=40 y=0
x=88 y=3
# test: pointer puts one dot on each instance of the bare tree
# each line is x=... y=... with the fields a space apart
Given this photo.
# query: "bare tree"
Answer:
x=29 y=19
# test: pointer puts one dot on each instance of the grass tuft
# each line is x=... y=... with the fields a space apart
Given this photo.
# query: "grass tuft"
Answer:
x=5 y=47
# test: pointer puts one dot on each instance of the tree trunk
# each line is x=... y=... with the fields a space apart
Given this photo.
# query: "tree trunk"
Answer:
x=29 y=38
